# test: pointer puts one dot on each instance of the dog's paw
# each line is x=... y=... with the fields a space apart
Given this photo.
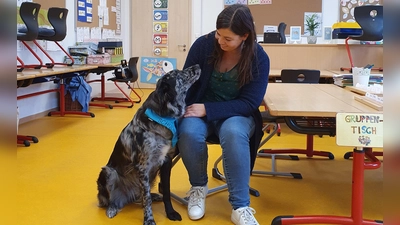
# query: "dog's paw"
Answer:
x=174 y=215
x=156 y=197
x=149 y=222
x=111 y=212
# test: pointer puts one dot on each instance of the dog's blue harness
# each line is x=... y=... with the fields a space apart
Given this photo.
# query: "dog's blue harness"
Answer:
x=168 y=122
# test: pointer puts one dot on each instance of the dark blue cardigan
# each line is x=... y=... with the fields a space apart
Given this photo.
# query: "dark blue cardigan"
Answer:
x=251 y=94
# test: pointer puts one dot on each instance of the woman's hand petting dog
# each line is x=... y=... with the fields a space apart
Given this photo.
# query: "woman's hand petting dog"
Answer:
x=195 y=110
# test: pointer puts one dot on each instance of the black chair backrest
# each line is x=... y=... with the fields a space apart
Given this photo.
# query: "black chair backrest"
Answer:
x=29 y=12
x=300 y=76
x=281 y=31
x=370 y=19
x=132 y=64
x=58 y=19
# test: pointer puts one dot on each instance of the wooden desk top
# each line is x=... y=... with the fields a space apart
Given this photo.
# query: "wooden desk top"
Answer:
x=25 y=76
x=29 y=74
x=320 y=100
x=108 y=65
x=324 y=73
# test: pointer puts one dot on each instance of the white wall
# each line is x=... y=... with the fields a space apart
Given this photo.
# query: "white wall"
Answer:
x=204 y=14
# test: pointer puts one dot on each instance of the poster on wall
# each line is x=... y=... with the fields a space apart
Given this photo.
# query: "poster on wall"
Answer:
x=265 y=2
x=160 y=50
x=160 y=27
x=153 y=68
x=160 y=15
x=85 y=11
x=160 y=39
x=347 y=8
x=230 y=2
x=254 y=2
x=160 y=4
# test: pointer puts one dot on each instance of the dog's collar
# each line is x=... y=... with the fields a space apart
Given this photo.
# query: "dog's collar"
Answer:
x=168 y=122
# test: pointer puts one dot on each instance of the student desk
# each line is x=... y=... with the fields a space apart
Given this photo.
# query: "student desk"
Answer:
x=102 y=69
x=28 y=76
x=293 y=101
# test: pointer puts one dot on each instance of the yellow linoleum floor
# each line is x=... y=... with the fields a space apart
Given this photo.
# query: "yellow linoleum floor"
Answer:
x=57 y=177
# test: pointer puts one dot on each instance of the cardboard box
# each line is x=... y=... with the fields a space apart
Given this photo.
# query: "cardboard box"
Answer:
x=99 y=59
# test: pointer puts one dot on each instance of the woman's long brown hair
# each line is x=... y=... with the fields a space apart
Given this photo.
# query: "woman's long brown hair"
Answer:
x=239 y=20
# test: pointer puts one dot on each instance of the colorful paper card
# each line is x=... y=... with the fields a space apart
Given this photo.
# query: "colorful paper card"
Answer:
x=359 y=129
x=254 y=2
x=230 y=2
x=160 y=15
x=160 y=4
x=265 y=1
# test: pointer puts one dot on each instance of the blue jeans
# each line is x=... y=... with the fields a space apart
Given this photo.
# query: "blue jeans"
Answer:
x=234 y=134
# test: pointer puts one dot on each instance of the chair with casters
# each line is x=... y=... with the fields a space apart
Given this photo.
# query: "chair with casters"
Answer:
x=24 y=139
x=212 y=139
x=58 y=20
x=308 y=124
x=29 y=12
x=128 y=74
x=370 y=19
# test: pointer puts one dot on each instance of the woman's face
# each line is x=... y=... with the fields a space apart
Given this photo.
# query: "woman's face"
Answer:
x=228 y=40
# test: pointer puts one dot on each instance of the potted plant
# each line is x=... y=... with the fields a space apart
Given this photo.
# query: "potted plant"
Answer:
x=312 y=24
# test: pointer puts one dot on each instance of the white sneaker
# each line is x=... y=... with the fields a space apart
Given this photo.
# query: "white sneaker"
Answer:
x=244 y=216
x=196 y=204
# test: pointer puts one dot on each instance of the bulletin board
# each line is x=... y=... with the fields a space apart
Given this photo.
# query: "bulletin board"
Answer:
x=347 y=8
x=290 y=12
x=46 y=4
x=112 y=25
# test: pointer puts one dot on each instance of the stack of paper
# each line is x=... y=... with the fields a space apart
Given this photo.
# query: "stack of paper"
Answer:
x=343 y=80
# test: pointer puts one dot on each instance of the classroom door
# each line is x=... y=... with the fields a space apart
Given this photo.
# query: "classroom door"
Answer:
x=178 y=30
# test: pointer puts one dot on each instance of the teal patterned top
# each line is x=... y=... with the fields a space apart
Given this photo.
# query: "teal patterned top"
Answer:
x=222 y=86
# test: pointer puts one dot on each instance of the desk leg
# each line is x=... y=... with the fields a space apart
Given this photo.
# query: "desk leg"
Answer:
x=115 y=99
x=309 y=151
x=357 y=198
x=102 y=94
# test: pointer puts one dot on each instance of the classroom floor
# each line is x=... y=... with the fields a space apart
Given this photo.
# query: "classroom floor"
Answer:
x=57 y=177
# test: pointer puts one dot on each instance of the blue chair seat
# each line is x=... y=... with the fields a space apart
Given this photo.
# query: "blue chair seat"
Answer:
x=45 y=33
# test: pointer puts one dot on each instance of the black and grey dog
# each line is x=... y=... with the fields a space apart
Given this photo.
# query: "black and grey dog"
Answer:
x=146 y=147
